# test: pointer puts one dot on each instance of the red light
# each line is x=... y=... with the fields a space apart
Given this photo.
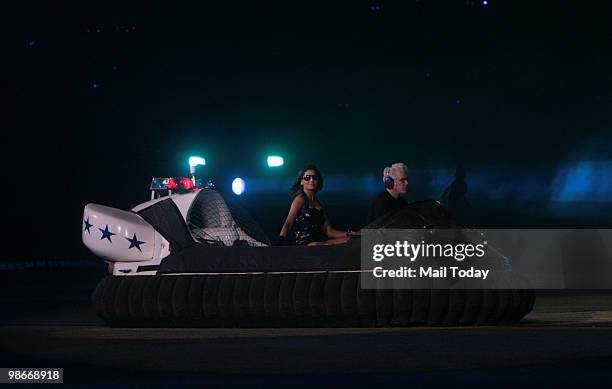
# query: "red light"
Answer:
x=172 y=184
x=186 y=183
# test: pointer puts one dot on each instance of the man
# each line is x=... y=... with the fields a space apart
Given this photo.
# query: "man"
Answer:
x=395 y=178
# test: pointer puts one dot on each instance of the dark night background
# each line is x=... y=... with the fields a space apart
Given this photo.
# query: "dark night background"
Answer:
x=517 y=92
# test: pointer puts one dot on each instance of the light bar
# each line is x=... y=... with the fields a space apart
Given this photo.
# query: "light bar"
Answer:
x=186 y=183
x=275 y=161
x=162 y=184
x=176 y=183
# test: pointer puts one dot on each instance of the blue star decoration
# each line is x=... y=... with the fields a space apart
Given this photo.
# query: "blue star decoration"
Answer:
x=88 y=225
x=106 y=233
x=134 y=242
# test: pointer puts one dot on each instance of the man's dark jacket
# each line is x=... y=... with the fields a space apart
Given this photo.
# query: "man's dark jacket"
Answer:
x=383 y=204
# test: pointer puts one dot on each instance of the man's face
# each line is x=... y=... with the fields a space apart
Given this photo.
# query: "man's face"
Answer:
x=401 y=184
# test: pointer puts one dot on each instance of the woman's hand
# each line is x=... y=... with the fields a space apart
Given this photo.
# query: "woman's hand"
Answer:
x=317 y=244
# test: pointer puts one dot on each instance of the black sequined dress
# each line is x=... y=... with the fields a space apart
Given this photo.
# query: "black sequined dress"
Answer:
x=308 y=226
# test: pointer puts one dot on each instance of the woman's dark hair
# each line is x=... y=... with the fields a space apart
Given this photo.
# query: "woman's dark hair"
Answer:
x=296 y=187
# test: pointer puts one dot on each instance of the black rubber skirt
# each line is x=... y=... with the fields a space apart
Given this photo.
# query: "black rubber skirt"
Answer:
x=308 y=299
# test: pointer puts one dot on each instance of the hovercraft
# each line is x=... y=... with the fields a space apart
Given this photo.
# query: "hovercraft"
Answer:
x=189 y=259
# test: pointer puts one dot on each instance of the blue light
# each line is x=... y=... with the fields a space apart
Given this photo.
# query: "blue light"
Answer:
x=31 y=44
x=485 y=2
x=94 y=85
x=238 y=186
x=587 y=181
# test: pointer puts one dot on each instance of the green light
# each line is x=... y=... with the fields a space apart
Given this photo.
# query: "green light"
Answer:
x=195 y=161
x=275 y=161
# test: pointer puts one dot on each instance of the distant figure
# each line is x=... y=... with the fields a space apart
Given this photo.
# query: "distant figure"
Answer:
x=454 y=198
x=395 y=180
x=306 y=223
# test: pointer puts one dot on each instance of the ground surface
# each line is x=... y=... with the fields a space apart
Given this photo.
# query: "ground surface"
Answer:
x=46 y=321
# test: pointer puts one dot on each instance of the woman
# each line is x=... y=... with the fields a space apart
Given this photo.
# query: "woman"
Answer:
x=306 y=223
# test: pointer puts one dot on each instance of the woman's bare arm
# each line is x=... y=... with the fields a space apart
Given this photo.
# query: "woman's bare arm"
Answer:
x=332 y=232
x=296 y=205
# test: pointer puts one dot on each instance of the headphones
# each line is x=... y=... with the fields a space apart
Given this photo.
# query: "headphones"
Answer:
x=389 y=182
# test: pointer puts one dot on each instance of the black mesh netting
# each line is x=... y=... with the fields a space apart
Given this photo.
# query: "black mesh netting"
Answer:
x=211 y=220
x=246 y=222
x=166 y=218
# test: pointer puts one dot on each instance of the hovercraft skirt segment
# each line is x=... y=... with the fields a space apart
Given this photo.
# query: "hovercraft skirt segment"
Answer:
x=322 y=299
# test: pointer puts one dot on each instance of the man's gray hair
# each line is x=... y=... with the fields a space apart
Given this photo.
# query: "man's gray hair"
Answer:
x=395 y=170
